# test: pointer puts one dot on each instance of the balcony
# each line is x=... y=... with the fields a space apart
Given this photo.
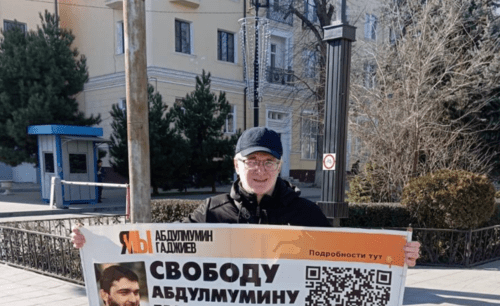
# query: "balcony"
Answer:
x=114 y=4
x=279 y=12
x=279 y=76
x=188 y=3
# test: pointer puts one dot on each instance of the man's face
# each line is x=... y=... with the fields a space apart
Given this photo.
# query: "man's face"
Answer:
x=123 y=292
x=259 y=180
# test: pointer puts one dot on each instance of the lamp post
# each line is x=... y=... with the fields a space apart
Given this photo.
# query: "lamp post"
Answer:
x=256 y=76
x=339 y=37
x=255 y=39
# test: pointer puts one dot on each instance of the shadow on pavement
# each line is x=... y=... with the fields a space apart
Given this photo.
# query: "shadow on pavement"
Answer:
x=414 y=296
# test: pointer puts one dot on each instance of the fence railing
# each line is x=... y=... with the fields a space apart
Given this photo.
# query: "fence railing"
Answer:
x=56 y=198
x=466 y=248
x=280 y=76
x=45 y=246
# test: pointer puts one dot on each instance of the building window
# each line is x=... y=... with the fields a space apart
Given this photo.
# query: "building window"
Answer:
x=273 y=115
x=77 y=163
x=8 y=25
x=308 y=134
x=182 y=37
x=310 y=11
x=310 y=60
x=371 y=27
x=120 y=38
x=225 y=46
x=273 y=55
x=369 y=80
x=230 y=125
x=49 y=162
x=122 y=104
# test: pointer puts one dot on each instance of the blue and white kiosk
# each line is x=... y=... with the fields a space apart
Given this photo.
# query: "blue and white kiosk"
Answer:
x=70 y=153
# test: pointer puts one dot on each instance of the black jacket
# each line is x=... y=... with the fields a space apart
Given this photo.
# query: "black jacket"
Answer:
x=284 y=207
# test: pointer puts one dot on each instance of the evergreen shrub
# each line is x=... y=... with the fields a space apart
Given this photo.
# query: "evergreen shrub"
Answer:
x=172 y=210
x=371 y=185
x=377 y=215
x=367 y=215
x=453 y=199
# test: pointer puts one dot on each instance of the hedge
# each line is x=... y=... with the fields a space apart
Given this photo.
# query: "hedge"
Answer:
x=365 y=215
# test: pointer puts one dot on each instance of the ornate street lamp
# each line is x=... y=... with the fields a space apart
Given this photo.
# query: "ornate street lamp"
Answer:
x=339 y=36
x=255 y=44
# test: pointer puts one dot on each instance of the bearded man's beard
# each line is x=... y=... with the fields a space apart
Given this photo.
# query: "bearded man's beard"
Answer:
x=112 y=302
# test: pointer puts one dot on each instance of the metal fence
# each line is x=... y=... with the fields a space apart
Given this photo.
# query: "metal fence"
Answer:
x=465 y=248
x=44 y=246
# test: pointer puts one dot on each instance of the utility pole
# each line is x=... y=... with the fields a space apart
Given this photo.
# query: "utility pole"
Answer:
x=134 y=14
x=339 y=37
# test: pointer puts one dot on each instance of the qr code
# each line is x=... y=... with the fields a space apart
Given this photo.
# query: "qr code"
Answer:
x=347 y=286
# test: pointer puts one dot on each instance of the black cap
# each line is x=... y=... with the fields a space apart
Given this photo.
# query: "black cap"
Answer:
x=259 y=139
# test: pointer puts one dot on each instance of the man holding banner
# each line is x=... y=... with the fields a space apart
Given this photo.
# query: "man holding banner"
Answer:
x=267 y=245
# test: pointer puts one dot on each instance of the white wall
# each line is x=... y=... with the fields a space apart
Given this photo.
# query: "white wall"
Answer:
x=25 y=173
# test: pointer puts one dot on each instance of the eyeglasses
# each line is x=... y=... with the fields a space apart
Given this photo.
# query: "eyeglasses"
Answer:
x=252 y=164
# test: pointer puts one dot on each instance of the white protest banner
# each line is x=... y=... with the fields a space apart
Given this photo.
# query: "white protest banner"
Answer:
x=223 y=264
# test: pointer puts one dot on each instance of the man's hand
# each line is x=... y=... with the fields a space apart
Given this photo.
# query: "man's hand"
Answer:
x=412 y=253
x=77 y=237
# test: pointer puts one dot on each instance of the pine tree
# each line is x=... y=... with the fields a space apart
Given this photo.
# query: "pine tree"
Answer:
x=168 y=150
x=201 y=118
x=39 y=77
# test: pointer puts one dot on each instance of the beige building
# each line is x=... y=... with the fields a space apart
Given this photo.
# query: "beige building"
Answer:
x=25 y=12
x=183 y=38
x=186 y=36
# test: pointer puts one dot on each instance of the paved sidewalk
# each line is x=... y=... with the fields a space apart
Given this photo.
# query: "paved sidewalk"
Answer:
x=478 y=286
x=19 y=287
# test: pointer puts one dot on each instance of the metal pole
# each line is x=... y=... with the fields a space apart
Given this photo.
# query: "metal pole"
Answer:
x=256 y=63
x=339 y=37
x=244 y=72
x=56 y=13
x=137 y=110
x=256 y=71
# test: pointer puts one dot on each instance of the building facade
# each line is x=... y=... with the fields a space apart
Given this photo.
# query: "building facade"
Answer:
x=184 y=37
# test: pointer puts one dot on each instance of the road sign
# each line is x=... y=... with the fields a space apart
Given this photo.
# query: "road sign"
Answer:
x=329 y=160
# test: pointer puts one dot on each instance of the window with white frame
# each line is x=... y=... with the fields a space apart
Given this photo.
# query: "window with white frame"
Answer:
x=225 y=46
x=279 y=116
x=308 y=134
x=122 y=104
x=310 y=11
x=230 y=124
x=369 y=80
x=310 y=61
x=8 y=25
x=370 y=27
x=182 y=36
x=120 y=37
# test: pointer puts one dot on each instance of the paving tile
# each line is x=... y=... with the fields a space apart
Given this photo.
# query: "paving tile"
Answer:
x=6 y=300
